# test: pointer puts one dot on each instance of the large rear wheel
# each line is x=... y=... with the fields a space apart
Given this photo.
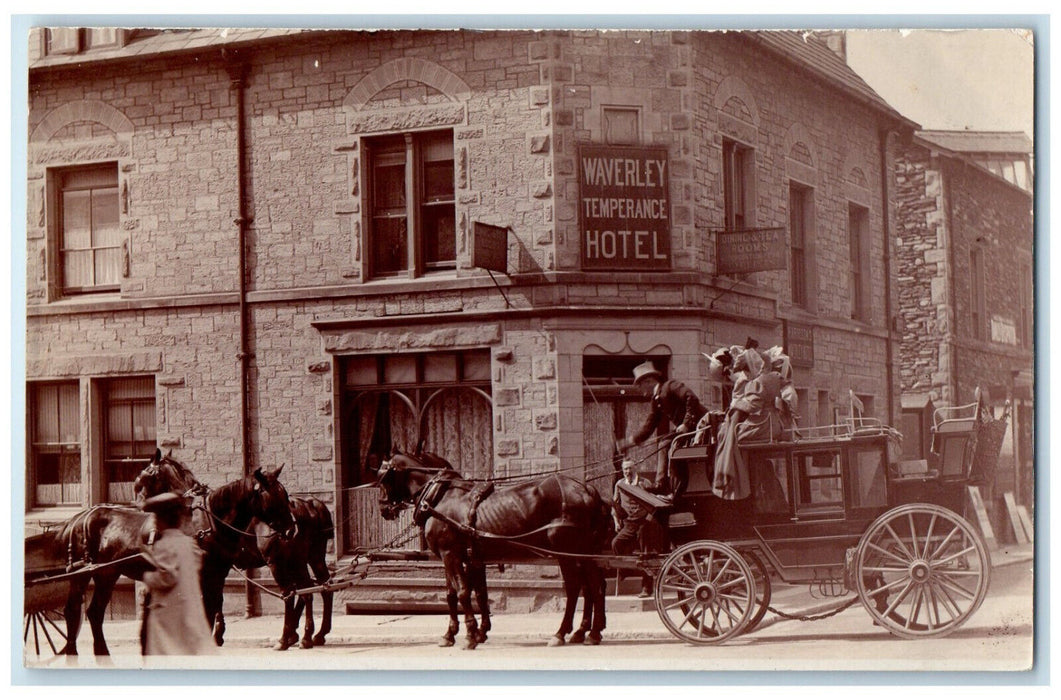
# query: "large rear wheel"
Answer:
x=705 y=592
x=921 y=571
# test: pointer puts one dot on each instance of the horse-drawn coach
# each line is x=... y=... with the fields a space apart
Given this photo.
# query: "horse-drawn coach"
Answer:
x=829 y=506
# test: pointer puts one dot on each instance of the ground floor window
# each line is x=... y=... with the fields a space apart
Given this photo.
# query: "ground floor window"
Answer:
x=129 y=433
x=55 y=444
x=121 y=413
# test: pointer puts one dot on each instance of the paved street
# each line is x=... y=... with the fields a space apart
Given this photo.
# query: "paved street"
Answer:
x=997 y=638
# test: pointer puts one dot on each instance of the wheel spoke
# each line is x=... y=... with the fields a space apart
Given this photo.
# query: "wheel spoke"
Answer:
x=680 y=603
x=913 y=533
x=945 y=582
x=689 y=615
x=946 y=540
x=899 y=599
x=898 y=540
x=888 y=553
x=948 y=602
x=954 y=556
x=691 y=580
x=721 y=572
x=915 y=612
x=730 y=584
x=885 y=569
x=888 y=586
x=928 y=535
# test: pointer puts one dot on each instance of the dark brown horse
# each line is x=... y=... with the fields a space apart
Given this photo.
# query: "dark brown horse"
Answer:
x=296 y=562
x=106 y=540
x=467 y=523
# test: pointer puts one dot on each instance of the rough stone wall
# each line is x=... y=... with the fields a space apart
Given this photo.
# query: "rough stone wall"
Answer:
x=922 y=274
x=947 y=207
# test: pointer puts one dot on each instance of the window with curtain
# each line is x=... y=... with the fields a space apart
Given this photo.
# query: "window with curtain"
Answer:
x=89 y=237
x=411 y=214
x=439 y=402
x=55 y=444
x=129 y=433
x=400 y=402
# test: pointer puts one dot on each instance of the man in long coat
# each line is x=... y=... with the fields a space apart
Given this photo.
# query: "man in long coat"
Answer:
x=175 y=621
x=671 y=401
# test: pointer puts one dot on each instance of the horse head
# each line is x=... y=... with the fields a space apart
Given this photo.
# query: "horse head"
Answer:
x=164 y=474
x=272 y=505
x=402 y=477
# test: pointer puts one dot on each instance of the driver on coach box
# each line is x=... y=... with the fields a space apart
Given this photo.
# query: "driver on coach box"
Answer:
x=673 y=401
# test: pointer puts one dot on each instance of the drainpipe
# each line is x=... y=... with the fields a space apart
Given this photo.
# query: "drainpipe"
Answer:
x=886 y=173
x=237 y=69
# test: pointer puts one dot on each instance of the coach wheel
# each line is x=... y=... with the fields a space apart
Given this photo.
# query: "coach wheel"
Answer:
x=921 y=571
x=705 y=592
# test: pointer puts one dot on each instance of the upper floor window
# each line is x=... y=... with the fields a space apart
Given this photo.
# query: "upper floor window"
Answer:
x=621 y=125
x=73 y=40
x=800 y=211
x=977 y=301
x=411 y=215
x=55 y=444
x=88 y=234
x=738 y=168
x=857 y=226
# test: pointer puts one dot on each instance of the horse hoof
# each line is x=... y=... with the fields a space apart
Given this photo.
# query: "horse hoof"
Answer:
x=592 y=640
x=446 y=642
x=280 y=646
x=556 y=641
x=480 y=638
x=306 y=644
x=578 y=637
x=470 y=644
x=318 y=640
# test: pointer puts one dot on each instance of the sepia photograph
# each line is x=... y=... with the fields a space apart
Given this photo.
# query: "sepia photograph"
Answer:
x=669 y=345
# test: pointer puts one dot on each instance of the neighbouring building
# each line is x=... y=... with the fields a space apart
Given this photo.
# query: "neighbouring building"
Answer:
x=265 y=247
x=965 y=265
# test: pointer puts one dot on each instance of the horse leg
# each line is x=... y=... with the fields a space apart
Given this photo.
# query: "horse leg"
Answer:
x=595 y=586
x=212 y=583
x=477 y=578
x=321 y=576
x=288 y=636
x=307 y=631
x=326 y=617
x=572 y=587
x=471 y=627
x=75 y=600
x=97 y=609
x=451 y=566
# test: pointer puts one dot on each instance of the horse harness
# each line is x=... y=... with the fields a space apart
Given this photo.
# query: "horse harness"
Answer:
x=430 y=496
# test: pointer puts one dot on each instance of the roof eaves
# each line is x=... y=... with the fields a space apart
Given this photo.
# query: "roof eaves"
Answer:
x=867 y=96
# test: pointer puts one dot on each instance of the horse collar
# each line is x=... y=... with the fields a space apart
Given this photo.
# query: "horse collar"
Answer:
x=428 y=498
